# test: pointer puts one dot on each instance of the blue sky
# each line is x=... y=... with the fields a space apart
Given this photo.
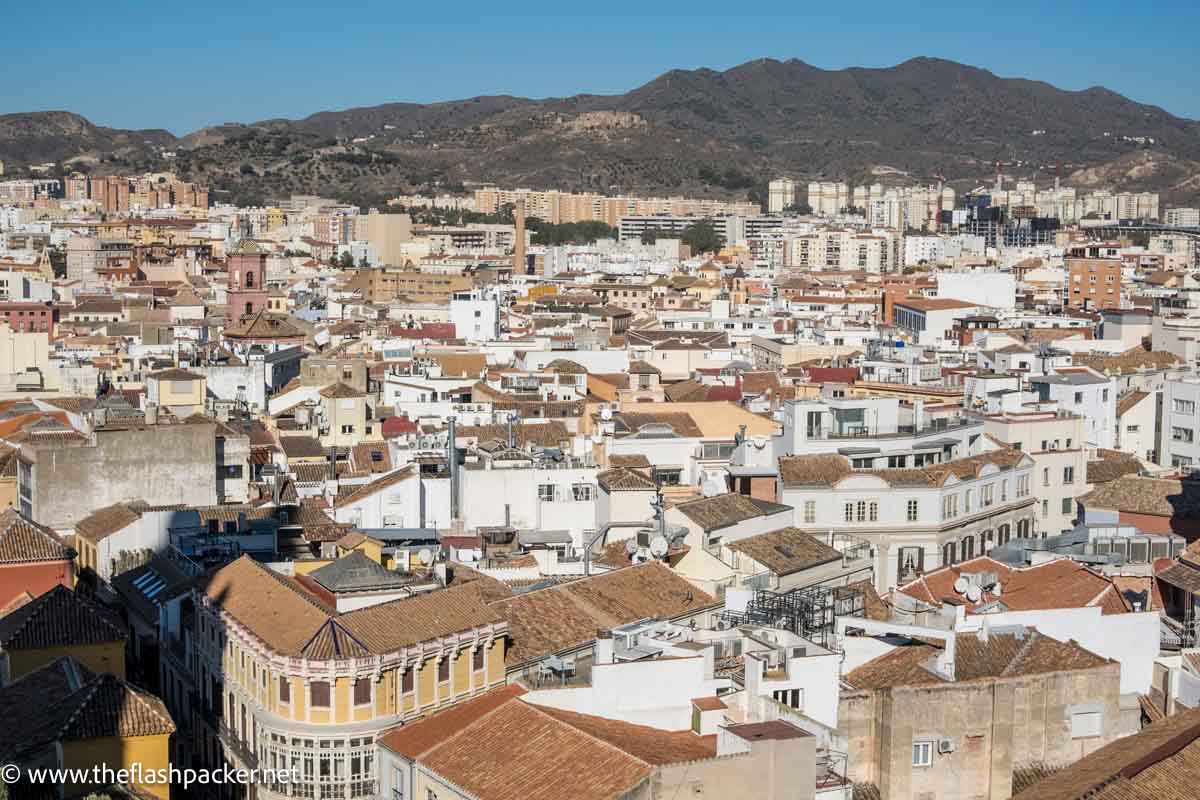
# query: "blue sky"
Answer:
x=184 y=65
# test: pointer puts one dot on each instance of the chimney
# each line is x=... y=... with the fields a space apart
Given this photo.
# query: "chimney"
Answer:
x=602 y=653
x=519 y=238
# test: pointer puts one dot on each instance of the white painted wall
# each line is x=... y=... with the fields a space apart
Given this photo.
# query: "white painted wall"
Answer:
x=1131 y=639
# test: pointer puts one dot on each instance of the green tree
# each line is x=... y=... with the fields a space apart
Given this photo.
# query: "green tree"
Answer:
x=702 y=237
x=649 y=235
x=346 y=261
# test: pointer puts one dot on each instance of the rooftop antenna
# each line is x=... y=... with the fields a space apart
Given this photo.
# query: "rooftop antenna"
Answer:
x=999 y=179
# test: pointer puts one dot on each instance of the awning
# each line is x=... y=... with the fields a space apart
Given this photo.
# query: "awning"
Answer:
x=544 y=537
x=1182 y=577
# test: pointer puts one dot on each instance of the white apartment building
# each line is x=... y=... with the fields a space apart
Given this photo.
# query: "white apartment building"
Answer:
x=1055 y=441
x=985 y=288
x=930 y=320
x=1182 y=217
x=916 y=519
x=781 y=194
x=1179 y=446
x=1087 y=393
x=844 y=249
x=924 y=250
x=828 y=198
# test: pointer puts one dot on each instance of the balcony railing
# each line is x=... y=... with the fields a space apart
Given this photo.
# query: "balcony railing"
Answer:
x=902 y=431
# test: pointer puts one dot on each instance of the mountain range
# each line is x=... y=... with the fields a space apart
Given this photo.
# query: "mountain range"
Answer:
x=696 y=132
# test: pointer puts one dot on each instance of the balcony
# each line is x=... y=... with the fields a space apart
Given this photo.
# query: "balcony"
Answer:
x=934 y=427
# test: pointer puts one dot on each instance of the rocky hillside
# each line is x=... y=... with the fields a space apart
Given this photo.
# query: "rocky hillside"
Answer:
x=699 y=132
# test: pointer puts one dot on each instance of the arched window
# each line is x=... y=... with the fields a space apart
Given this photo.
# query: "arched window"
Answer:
x=249 y=280
x=1004 y=533
x=968 y=548
x=249 y=308
x=988 y=541
x=948 y=553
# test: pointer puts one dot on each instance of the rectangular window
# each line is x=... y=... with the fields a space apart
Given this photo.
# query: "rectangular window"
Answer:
x=861 y=511
x=873 y=511
x=1087 y=724
x=1078 y=398
x=285 y=690
x=546 y=492
x=1068 y=505
x=407 y=681
x=849 y=512
x=810 y=512
x=1184 y=406
x=989 y=494
x=1045 y=476
x=922 y=754
x=967 y=497
x=362 y=692
x=1181 y=434
x=477 y=659
x=912 y=510
x=581 y=492
x=1068 y=474
x=444 y=670
x=319 y=690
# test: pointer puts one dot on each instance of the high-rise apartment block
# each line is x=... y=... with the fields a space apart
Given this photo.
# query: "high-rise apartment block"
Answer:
x=781 y=194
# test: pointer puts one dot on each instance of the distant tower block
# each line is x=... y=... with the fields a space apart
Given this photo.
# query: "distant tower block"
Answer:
x=519 y=238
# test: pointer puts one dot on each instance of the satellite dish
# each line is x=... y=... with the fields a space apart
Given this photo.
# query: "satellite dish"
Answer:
x=659 y=546
x=639 y=557
x=606 y=413
x=961 y=585
x=996 y=590
x=631 y=546
x=425 y=556
x=974 y=594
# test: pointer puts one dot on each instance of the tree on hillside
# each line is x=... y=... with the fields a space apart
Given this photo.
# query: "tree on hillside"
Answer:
x=702 y=237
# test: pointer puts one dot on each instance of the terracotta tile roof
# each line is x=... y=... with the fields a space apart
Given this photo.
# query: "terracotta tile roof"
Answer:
x=1159 y=763
x=648 y=744
x=1138 y=495
x=22 y=540
x=824 y=469
x=635 y=461
x=301 y=447
x=1130 y=400
x=631 y=422
x=567 y=616
x=420 y=737
x=59 y=618
x=340 y=390
x=547 y=434
x=465 y=365
x=175 y=374
x=625 y=480
x=389 y=626
x=1061 y=583
x=976 y=658
x=1110 y=465
x=1132 y=360
x=371 y=457
x=828 y=469
x=64 y=702
x=377 y=485
x=786 y=550
x=292 y=622
x=724 y=510
x=519 y=752
x=106 y=521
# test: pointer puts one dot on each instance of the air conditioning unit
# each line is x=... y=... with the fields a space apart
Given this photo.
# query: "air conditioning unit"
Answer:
x=945 y=746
